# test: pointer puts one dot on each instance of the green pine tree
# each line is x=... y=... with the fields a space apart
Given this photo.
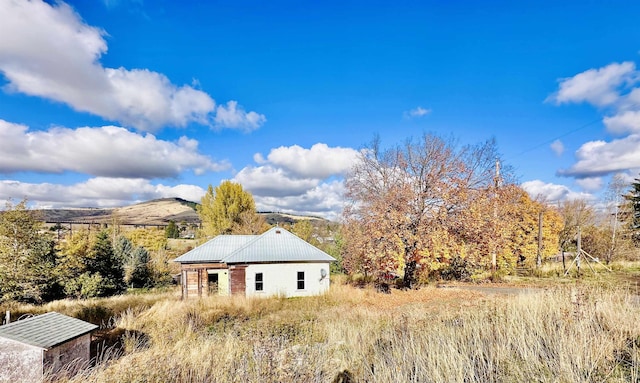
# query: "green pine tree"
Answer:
x=634 y=220
x=172 y=230
x=104 y=262
x=27 y=256
x=138 y=273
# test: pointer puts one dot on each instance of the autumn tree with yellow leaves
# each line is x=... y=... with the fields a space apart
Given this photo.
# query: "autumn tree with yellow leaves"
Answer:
x=229 y=209
x=404 y=201
x=430 y=208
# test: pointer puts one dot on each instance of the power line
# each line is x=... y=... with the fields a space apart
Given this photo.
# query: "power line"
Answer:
x=556 y=138
x=629 y=107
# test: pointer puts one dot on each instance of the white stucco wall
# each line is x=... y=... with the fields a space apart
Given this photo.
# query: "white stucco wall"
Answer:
x=19 y=362
x=281 y=279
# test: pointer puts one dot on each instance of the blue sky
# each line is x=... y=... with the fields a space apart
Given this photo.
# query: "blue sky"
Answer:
x=107 y=103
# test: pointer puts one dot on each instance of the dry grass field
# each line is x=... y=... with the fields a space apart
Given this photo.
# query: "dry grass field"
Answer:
x=575 y=332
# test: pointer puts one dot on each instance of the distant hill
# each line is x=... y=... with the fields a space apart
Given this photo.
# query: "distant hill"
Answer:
x=285 y=218
x=154 y=212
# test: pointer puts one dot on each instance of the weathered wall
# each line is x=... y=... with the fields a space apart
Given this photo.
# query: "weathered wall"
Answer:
x=192 y=281
x=19 y=362
x=238 y=279
x=69 y=357
x=223 y=280
x=281 y=279
x=194 y=278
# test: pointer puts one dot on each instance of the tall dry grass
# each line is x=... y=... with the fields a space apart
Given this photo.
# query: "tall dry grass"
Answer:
x=94 y=310
x=567 y=334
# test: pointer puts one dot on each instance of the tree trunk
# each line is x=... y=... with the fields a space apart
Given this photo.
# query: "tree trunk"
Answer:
x=409 y=275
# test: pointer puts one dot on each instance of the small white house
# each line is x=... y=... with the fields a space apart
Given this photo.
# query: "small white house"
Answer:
x=45 y=344
x=274 y=263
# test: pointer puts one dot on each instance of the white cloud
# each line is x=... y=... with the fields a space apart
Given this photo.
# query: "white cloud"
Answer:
x=558 y=147
x=53 y=54
x=599 y=87
x=95 y=192
x=553 y=193
x=615 y=87
x=623 y=122
x=320 y=161
x=147 y=100
x=105 y=151
x=275 y=182
x=599 y=158
x=416 y=112
x=298 y=180
x=590 y=183
x=233 y=116
x=325 y=200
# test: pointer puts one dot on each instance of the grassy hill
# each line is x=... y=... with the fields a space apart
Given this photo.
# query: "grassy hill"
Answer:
x=154 y=212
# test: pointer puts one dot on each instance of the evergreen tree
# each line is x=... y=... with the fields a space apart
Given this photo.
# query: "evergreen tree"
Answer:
x=103 y=261
x=172 y=230
x=137 y=272
x=634 y=220
x=27 y=256
x=123 y=248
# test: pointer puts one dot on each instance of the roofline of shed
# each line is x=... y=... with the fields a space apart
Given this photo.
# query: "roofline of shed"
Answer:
x=52 y=346
x=70 y=339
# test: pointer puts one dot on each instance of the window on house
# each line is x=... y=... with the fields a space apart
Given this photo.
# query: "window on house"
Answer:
x=259 y=282
x=300 y=280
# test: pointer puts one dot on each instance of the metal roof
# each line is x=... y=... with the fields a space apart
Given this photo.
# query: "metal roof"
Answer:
x=215 y=249
x=275 y=245
x=46 y=330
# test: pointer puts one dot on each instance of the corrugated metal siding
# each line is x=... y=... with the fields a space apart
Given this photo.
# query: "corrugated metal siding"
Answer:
x=215 y=249
x=278 y=245
x=46 y=330
x=275 y=245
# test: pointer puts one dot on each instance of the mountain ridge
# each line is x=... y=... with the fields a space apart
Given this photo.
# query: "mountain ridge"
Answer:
x=153 y=212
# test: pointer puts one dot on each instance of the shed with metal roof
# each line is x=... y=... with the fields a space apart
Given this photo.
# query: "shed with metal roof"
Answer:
x=50 y=343
x=276 y=262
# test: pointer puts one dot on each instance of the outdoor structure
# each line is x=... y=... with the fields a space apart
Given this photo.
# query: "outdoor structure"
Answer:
x=274 y=263
x=47 y=343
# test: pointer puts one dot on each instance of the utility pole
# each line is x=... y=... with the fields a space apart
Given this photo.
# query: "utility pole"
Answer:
x=613 y=235
x=578 y=251
x=496 y=183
